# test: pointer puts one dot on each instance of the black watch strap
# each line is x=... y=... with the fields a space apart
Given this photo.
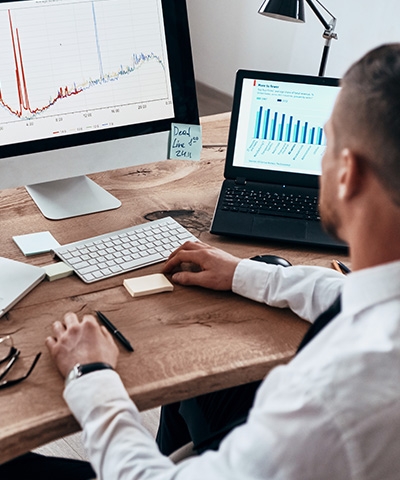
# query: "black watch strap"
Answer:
x=79 y=370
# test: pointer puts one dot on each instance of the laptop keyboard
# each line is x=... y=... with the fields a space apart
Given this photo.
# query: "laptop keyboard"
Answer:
x=245 y=199
x=119 y=252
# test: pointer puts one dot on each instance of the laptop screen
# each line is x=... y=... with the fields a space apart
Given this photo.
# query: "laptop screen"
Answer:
x=279 y=121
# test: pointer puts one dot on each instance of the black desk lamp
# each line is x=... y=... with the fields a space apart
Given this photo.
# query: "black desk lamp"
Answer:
x=293 y=10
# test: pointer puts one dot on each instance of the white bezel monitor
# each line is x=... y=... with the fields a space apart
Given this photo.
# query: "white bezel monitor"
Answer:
x=89 y=86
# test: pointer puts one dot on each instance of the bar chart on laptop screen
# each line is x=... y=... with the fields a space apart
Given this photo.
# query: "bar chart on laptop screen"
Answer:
x=281 y=125
x=71 y=66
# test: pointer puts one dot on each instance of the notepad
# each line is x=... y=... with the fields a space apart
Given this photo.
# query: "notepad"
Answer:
x=16 y=280
x=34 y=243
x=148 y=284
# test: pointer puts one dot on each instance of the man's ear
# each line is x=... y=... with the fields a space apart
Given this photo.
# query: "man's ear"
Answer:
x=350 y=174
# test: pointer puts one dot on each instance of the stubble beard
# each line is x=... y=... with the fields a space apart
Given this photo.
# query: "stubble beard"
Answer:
x=330 y=219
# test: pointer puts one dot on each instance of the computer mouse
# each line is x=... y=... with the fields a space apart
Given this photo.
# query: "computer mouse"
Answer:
x=273 y=259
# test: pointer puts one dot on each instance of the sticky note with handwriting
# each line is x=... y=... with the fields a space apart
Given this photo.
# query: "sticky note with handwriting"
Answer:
x=185 y=142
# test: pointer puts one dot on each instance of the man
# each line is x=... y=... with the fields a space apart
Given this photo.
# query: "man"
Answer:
x=334 y=411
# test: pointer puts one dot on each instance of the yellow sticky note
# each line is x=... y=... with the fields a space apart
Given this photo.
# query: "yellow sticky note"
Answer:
x=148 y=284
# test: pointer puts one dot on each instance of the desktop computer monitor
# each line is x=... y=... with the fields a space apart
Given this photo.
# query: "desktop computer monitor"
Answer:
x=88 y=86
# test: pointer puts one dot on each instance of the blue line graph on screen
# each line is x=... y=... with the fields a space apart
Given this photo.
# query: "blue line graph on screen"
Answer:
x=16 y=99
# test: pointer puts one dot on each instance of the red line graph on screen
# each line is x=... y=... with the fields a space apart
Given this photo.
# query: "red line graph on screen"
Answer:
x=22 y=88
x=25 y=110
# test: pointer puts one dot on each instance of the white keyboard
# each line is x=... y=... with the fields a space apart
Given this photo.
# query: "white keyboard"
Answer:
x=118 y=252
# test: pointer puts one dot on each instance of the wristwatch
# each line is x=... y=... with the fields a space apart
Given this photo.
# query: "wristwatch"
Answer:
x=78 y=370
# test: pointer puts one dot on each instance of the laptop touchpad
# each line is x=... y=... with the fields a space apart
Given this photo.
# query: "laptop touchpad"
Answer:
x=279 y=228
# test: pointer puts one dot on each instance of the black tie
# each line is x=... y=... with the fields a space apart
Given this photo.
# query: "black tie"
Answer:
x=321 y=322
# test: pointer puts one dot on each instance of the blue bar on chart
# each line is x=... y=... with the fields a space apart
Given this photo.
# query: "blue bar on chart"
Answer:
x=319 y=136
x=311 y=136
x=296 y=130
x=258 y=123
x=289 y=129
x=266 y=122
x=282 y=127
x=273 y=129
x=304 y=132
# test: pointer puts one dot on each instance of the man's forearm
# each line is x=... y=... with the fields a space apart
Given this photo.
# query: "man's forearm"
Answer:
x=306 y=290
x=114 y=437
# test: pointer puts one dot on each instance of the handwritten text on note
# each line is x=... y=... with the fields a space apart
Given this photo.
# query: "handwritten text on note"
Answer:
x=185 y=142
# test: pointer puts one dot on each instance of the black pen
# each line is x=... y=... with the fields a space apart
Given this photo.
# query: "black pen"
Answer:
x=114 y=331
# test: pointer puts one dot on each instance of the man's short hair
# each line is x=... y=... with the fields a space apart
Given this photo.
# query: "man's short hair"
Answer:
x=370 y=111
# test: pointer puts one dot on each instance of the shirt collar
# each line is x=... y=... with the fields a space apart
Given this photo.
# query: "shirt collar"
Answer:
x=365 y=288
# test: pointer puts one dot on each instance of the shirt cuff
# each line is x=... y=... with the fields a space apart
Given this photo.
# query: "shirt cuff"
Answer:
x=251 y=278
x=94 y=389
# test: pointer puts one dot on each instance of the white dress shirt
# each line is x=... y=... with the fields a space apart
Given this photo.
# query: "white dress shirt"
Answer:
x=332 y=413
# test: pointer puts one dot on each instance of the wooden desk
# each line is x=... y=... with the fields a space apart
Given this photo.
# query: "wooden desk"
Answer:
x=187 y=342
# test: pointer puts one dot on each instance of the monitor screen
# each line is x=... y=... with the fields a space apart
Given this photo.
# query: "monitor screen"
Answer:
x=281 y=125
x=88 y=86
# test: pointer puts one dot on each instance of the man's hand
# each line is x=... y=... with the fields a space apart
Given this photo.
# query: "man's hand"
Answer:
x=214 y=268
x=81 y=342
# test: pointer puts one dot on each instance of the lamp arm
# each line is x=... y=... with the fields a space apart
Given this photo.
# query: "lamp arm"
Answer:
x=328 y=34
x=318 y=14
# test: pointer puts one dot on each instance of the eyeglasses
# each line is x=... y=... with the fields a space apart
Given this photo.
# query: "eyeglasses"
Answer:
x=9 y=355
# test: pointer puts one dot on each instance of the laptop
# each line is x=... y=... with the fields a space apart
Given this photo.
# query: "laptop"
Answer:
x=16 y=280
x=273 y=161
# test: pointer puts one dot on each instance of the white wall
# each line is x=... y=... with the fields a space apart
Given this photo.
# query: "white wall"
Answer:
x=230 y=34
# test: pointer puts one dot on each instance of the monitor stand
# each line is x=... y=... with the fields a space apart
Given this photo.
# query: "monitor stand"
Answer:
x=71 y=197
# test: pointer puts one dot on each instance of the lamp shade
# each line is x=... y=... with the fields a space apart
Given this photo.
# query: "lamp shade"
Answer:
x=291 y=10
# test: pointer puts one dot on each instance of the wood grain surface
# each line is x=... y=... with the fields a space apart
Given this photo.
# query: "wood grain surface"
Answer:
x=187 y=342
